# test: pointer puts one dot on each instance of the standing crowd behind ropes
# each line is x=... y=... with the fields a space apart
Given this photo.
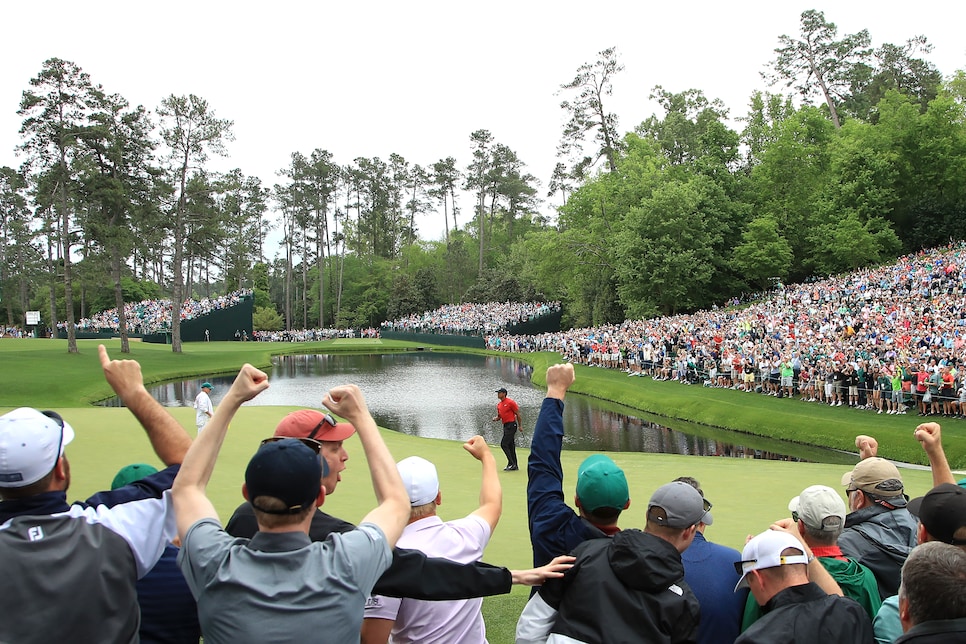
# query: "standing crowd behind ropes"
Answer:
x=890 y=339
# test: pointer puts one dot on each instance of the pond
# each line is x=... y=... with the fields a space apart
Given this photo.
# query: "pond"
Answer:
x=453 y=396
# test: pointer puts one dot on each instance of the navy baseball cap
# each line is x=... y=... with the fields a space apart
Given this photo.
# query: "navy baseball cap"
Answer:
x=287 y=470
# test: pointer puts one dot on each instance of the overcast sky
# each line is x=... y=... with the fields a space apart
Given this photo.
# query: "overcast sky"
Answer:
x=416 y=78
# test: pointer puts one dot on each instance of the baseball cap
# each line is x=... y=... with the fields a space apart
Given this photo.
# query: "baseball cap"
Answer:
x=310 y=423
x=31 y=441
x=677 y=505
x=286 y=470
x=601 y=484
x=206 y=385
x=131 y=473
x=875 y=476
x=765 y=551
x=501 y=390
x=420 y=480
x=820 y=507
x=942 y=512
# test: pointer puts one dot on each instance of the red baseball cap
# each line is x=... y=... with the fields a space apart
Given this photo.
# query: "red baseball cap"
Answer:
x=309 y=423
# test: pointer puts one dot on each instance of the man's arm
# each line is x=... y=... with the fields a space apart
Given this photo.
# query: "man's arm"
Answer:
x=491 y=493
x=168 y=438
x=550 y=518
x=188 y=492
x=392 y=511
x=929 y=436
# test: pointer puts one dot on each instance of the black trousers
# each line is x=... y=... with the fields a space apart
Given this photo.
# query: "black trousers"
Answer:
x=509 y=443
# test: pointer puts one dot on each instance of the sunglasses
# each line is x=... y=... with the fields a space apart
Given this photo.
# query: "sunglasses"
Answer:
x=326 y=418
x=311 y=443
x=53 y=415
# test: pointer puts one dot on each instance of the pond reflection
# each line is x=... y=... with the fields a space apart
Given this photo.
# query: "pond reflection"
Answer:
x=453 y=396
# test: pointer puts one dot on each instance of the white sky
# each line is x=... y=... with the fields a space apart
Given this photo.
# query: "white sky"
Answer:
x=416 y=78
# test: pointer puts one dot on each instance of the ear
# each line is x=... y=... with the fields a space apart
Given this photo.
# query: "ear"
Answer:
x=320 y=499
x=922 y=536
x=439 y=498
x=904 y=617
x=577 y=502
x=627 y=505
x=61 y=473
x=245 y=492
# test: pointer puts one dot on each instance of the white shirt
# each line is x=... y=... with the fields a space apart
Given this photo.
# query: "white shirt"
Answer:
x=203 y=409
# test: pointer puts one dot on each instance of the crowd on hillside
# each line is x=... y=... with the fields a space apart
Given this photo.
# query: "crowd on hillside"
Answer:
x=314 y=335
x=888 y=339
x=151 y=316
x=472 y=318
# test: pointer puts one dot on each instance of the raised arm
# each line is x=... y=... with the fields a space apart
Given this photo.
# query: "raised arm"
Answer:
x=189 y=490
x=929 y=436
x=392 y=511
x=491 y=493
x=168 y=438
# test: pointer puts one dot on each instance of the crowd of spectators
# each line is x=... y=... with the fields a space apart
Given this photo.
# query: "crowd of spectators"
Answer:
x=314 y=335
x=891 y=339
x=151 y=316
x=13 y=332
x=472 y=319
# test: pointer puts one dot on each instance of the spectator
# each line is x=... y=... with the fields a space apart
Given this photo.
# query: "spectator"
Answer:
x=462 y=540
x=709 y=571
x=84 y=559
x=281 y=585
x=931 y=603
x=169 y=614
x=601 y=495
x=879 y=531
x=775 y=567
x=942 y=517
x=628 y=588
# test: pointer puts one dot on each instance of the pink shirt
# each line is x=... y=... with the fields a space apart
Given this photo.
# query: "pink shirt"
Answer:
x=443 y=622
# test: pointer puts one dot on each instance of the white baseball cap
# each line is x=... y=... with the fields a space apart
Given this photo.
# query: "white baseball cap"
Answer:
x=30 y=444
x=765 y=551
x=820 y=507
x=420 y=480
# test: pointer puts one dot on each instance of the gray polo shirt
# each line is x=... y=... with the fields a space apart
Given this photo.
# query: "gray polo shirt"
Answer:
x=282 y=586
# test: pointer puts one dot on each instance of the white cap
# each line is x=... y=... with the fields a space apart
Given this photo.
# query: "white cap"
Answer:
x=420 y=480
x=30 y=444
x=765 y=551
x=820 y=507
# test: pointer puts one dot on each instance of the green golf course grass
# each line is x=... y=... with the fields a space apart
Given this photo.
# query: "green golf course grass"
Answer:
x=747 y=494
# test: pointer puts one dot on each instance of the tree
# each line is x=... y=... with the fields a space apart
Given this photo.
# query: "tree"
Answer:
x=118 y=182
x=587 y=113
x=817 y=63
x=477 y=179
x=190 y=131
x=763 y=253
x=56 y=113
x=445 y=178
x=18 y=257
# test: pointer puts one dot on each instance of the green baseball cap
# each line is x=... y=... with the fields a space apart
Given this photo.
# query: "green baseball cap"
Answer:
x=206 y=385
x=131 y=473
x=601 y=484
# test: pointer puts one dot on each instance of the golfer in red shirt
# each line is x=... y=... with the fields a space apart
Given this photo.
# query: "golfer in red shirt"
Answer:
x=509 y=412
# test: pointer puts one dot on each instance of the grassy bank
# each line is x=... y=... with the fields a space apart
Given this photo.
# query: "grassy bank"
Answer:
x=41 y=373
x=747 y=494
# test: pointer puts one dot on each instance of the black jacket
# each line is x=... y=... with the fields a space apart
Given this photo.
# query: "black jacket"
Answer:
x=945 y=631
x=805 y=614
x=412 y=574
x=629 y=588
